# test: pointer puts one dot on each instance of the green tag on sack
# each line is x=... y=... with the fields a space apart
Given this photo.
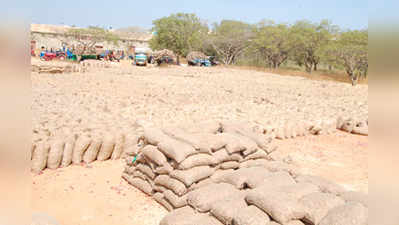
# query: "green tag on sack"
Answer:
x=134 y=159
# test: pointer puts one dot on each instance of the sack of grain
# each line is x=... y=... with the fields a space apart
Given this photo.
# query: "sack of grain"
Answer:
x=226 y=209
x=68 y=151
x=192 y=175
x=55 y=154
x=323 y=184
x=201 y=183
x=92 y=151
x=222 y=156
x=81 y=145
x=153 y=154
x=165 y=169
x=232 y=143
x=154 y=135
x=318 y=204
x=350 y=213
x=119 y=145
x=174 y=200
x=229 y=165
x=183 y=136
x=107 y=147
x=176 y=150
x=210 y=127
x=161 y=200
x=187 y=216
x=251 y=215
x=146 y=169
x=260 y=154
x=172 y=184
x=202 y=198
x=243 y=178
x=39 y=158
x=130 y=147
x=139 y=183
x=197 y=160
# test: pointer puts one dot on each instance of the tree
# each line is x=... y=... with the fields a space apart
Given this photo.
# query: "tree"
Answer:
x=350 y=50
x=271 y=41
x=229 y=39
x=87 y=38
x=308 y=40
x=181 y=33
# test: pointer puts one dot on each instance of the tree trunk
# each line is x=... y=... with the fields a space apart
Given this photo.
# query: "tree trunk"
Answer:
x=315 y=67
x=177 y=60
x=329 y=67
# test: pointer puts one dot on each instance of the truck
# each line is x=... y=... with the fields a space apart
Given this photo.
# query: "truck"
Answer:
x=141 y=56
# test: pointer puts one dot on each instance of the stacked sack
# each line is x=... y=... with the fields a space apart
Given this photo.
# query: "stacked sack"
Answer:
x=259 y=196
x=353 y=126
x=174 y=161
x=76 y=149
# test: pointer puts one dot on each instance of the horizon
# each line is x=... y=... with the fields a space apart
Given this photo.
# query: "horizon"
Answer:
x=121 y=14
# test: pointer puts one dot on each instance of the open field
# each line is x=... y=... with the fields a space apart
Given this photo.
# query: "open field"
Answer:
x=118 y=99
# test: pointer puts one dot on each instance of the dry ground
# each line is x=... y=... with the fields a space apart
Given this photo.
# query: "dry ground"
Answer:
x=116 y=98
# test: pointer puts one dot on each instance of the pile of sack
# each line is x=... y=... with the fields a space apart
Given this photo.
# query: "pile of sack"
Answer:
x=195 y=55
x=353 y=126
x=158 y=55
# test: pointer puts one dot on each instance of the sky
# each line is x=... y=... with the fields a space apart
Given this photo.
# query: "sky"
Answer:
x=348 y=14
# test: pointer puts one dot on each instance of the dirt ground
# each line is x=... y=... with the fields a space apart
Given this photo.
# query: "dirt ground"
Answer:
x=115 y=98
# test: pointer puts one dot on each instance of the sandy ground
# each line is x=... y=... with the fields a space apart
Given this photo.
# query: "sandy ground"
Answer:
x=95 y=194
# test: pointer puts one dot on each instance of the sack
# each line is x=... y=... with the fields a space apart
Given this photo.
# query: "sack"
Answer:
x=174 y=200
x=154 y=135
x=243 y=178
x=107 y=148
x=39 y=158
x=55 y=154
x=68 y=151
x=202 y=198
x=119 y=145
x=159 y=188
x=92 y=151
x=350 y=213
x=165 y=169
x=318 y=204
x=183 y=136
x=146 y=169
x=152 y=153
x=81 y=145
x=201 y=183
x=251 y=215
x=161 y=200
x=353 y=196
x=187 y=216
x=176 y=150
x=130 y=147
x=232 y=143
x=139 y=183
x=210 y=126
x=229 y=165
x=192 y=175
x=271 y=180
x=323 y=184
x=226 y=209
x=222 y=156
x=170 y=183
x=259 y=154
x=197 y=160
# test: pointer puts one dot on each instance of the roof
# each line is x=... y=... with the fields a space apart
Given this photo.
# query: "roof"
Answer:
x=61 y=29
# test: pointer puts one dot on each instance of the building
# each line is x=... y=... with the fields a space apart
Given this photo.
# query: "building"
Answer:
x=53 y=36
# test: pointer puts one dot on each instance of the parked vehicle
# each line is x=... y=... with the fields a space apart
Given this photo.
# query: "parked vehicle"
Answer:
x=140 y=59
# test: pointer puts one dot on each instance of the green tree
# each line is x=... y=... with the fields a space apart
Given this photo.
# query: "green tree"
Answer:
x=230 y=39
x=350 y=50
x=181 y=33
x=271 y=42
x=87 y=38
x=308 y=40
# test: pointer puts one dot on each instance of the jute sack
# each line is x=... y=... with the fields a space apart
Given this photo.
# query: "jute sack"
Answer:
x=139 y=183
x=152 y=153
x=202 y=198
x=174 y=200
x=279 y=205
x=268 y=180
x=176 y=150
x=119 y=146
x=318 y=204
x=107 y=147
x=92 y=151
x=146 y=169
x=260 y=154
x=55 y=154
x=244 y=177
x=130 y=147
x=348 y=214
x=229 y=165
x=192 y=175
x=232 y=143
x=210 y=126
x=183 y=136
x=187 y=216
x=68 y=151
x=197 y=160
x=39 y=158
x=165 y=169
x=161 y=200
x=225 y=209
x=323 y=184
x=172 y=184
x=81 y=145
x=251 y=215
x=159 y=188
x=154 y=135
x=201 y=183
x=222 y=156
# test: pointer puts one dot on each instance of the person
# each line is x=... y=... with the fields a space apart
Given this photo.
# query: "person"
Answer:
x=42 y=52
